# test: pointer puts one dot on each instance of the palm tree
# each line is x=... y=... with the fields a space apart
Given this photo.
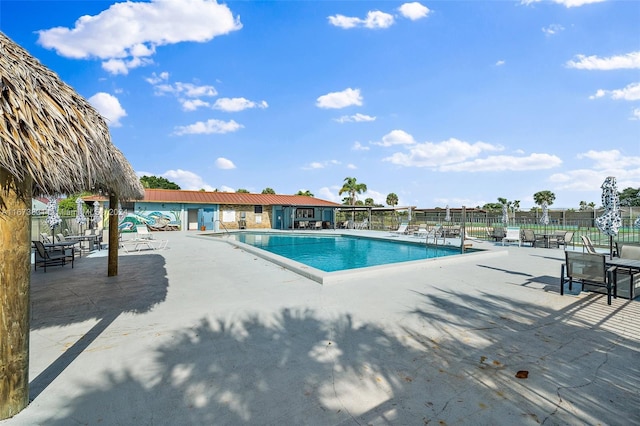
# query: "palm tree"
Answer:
x=306 y=193
x=352 y=187
x=542 y=196
x=392 y=199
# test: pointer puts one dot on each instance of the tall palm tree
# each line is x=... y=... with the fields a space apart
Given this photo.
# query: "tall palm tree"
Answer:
x=352 y=187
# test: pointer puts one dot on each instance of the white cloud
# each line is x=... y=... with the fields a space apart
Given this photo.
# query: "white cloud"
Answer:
x=109 y=107
x=224 y=164
x=414 y=11
x=157 y=78
x=187 y=180
x=627 y=61
x=629 y=93
x=498 y=163
x=336 y=100
x=237 y=104
x=396 y=137
x=193 y=104
x=566 y=3
x=351 y=166
x=126 y=34
x=357 y=118
x=635 y=114
x=552 y=29
x=357 y=146
x=330 y=194
x=208 y=127
x=440 y=155
x=225 y=188
x=626 y=169
x=500 y=63
x=374 y=20
x=321 y=164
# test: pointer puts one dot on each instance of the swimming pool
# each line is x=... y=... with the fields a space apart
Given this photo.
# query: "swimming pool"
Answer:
x=330 y=253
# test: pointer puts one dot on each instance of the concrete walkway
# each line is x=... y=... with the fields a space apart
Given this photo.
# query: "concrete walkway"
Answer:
x=205 y=333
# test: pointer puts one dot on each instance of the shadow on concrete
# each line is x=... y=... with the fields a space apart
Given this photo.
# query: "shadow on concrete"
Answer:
x=294 y=368
x=66 y=295
x=582 y=361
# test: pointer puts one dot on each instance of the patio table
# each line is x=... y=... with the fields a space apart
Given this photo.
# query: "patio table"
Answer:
x=632 y=265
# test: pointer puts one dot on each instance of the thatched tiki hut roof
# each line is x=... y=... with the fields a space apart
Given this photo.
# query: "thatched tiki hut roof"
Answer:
x=51 y=141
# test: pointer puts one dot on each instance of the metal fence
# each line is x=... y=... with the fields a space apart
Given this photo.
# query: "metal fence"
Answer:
x=476 y=225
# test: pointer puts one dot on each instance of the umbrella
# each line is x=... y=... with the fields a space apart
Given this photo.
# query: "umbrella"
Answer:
x=544 y=219
x=80 y=218
x=505 y=214
x=53 y=218
x=610 y=220
x=447 y=216
x=96 y=214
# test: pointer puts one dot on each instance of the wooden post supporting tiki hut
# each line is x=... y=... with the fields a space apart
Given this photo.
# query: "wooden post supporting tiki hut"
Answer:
x=51 y=141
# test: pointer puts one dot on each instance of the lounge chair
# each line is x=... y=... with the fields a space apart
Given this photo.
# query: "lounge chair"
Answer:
x=513 y=235
x=422 y=231
x=44 y=237
x=591 y=270
x=588 y=244
x=47 y=258
x=402 y=229
x=143 y=233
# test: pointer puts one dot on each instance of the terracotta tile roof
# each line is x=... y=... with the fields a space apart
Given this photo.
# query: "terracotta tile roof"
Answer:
x=205 y=197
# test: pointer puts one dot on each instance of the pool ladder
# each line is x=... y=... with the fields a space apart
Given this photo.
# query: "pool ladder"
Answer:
x=222 y=226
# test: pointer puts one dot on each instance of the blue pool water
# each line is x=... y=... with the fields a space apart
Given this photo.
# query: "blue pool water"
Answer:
x=332 y=253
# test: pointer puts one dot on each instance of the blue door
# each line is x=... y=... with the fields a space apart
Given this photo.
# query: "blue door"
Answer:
x=206 y=219
x=278 y=224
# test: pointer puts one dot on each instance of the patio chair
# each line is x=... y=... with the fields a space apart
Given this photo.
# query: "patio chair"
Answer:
x=565 y=239
x=590 y=270
x=498 y=233
x=47 y=258
x=513 y=235
x=588 y=244
x=528 y=236
x=318 y=224
x=44 y=237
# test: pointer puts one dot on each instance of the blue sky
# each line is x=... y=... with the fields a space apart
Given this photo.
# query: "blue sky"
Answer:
x=443 y=103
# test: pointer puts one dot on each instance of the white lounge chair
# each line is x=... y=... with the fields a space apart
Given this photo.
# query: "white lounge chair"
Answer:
x=513 y=235
x=402 y=229
x=422 y=231
x=143 y=232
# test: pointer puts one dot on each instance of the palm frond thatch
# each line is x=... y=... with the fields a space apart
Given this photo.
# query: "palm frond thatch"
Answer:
x=51 y=133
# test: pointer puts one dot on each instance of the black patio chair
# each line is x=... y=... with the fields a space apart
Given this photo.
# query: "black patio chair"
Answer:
x=46 y=258
x=591 y=271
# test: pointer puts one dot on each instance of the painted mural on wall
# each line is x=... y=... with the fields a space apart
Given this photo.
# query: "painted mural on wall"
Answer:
x=156 y=221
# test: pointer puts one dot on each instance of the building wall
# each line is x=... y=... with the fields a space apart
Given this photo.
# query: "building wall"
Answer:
x=231 y=216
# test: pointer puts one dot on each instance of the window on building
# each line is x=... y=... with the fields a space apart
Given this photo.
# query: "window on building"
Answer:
x=257 y=209
x=304 y=213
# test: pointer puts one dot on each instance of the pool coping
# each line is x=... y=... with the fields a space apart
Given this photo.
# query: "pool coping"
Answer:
x=325 y=278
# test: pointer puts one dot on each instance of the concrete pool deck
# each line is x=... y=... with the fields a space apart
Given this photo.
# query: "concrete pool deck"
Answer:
x=205 y=333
